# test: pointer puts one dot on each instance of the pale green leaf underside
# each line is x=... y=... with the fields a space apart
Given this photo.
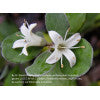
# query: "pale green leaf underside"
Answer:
x=12 y=55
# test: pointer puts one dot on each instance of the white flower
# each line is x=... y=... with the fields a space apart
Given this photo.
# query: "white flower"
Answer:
x=62 y=47
x=29 y=38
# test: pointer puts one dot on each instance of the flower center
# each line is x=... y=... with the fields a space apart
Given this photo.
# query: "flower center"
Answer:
x=61 y=47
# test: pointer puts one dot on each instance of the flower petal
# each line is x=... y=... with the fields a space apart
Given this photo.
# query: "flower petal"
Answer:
x=73 y=40
x=24 y=51
x=54 y=57
x=24 y=30
x=70 y=56
x=56 y=38
x=19 y=43
x=31 y=26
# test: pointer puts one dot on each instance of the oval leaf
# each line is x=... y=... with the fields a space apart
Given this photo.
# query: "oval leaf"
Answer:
x=12 y=55
x=84 y=58
x=57 y=22
x=75 y=20
x=39 y=67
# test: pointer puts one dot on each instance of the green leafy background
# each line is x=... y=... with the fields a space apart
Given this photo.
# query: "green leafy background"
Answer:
x=59 y=22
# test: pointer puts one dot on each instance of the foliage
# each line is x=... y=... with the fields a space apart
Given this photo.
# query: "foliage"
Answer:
x=59 y=22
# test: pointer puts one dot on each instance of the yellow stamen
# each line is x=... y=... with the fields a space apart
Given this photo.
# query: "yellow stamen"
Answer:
x=17 y=35
x=24 y=40
x=82 y=46
x=20 y=35
x=78 y=40
x=73 y=57
x=68 y=29
x=62 y=66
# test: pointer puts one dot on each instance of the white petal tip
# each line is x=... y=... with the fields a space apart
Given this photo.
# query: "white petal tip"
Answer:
x=77 y=33
x=55 y=37
x=72 y=64
x=35 y=23
x=25 y=54
x=48 y=62
x=51 y=31
x=31 y=26
x=14 y=47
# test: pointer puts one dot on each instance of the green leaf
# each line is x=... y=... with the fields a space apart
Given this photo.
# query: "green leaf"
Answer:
x=12 y=55
x=55 y=78
x=84 y=57
x=4 y=72
x=40 y=67
x=90 y=22
x=76 y=21
x=13 y=78
x=2 y=61
x=7 y=28
x=57 y=22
